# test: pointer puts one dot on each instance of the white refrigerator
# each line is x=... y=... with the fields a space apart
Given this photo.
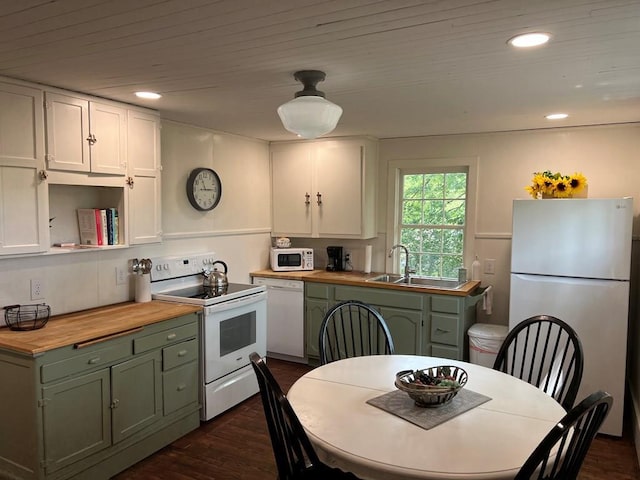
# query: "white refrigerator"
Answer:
x=571 y=258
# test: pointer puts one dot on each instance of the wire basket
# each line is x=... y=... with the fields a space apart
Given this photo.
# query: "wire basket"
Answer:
x=27 y=317
x=431 y=395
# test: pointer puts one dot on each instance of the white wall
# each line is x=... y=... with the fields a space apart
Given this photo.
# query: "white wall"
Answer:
x=237 y=229
x=243 y=167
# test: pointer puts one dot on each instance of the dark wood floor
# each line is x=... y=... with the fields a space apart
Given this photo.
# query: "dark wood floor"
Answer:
x=236 y=446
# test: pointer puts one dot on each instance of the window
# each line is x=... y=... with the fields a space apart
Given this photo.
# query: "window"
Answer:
x=432 y=221
x=433 y=214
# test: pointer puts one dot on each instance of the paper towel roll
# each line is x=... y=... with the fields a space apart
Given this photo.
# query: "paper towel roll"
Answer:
x=143 y=288
x=367 y=259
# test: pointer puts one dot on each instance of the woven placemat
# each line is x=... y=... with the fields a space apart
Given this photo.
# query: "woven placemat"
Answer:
x=401 y=405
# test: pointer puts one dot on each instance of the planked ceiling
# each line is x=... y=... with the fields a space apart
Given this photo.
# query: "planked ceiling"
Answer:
x=398 y=68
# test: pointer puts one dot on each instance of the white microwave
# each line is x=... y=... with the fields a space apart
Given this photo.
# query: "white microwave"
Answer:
x=291 y=259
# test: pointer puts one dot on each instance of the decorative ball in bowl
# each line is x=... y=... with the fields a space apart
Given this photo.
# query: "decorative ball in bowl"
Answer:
x=433 y=386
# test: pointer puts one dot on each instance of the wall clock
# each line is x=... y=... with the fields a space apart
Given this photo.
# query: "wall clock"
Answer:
x=204 y=189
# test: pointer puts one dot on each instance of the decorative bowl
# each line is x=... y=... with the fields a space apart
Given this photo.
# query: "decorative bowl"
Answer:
x=283 y=242
x=447 y=381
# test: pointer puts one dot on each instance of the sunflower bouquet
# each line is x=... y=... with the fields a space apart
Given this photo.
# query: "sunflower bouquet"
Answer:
x=556 y=185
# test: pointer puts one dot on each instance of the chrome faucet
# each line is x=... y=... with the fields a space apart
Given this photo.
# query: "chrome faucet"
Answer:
x=407 y=270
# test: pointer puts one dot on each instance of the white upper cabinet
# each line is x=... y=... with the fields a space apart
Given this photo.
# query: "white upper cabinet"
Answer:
x=324 y=188
x=108 y=138
x=85 y=136
x=145 y=214
x=291 y=187
x=23 y=190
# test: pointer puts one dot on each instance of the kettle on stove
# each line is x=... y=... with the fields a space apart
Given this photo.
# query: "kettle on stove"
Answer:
x=215 y=280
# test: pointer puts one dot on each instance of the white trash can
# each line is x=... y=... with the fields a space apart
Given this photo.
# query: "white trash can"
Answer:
x=485 y=340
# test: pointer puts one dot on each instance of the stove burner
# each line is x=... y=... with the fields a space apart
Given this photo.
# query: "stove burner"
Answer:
x=209 y=292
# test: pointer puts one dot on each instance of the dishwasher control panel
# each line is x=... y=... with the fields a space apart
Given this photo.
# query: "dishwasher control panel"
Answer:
x=279 y=283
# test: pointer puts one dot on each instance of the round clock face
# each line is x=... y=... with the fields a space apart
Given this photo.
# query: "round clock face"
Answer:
x=204 y=189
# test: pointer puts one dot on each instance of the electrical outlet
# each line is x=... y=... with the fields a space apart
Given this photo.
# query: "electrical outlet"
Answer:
x=37 y=289
x=121 y=276
x=490 y=266
x=347 y=257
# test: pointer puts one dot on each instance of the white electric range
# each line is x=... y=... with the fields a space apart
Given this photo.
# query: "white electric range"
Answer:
x=233 y=324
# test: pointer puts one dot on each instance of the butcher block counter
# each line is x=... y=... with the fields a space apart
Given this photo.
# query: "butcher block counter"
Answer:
x=362 y=279
x=88 y=325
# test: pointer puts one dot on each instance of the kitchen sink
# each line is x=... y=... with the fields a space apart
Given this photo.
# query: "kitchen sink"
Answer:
x=418 y=281
x=387 y=278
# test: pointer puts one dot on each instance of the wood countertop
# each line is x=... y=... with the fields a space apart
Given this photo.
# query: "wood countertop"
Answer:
x=85 y=325
x=359 y=279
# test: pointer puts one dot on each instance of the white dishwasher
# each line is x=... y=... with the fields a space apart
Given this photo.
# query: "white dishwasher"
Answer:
x=285 y=318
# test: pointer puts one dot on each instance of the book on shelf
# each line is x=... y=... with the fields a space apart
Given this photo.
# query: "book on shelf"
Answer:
x=112 y=226
x=103 y=225
x=90 y=234
x=115 y=225
x=98 y=226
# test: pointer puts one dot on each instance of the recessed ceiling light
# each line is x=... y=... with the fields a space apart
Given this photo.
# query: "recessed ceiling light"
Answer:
x=556 y=116
x=529 y=39
x=148 y=95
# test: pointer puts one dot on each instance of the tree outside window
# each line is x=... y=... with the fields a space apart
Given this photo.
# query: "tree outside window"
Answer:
x=433 y=214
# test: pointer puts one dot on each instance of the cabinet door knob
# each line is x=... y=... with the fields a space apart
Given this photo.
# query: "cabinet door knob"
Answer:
x=181 y=387
x=171 y=336
x=319 y=196
x=43 y=174
x=306 y=198
x=129 y=182
x=94 y=360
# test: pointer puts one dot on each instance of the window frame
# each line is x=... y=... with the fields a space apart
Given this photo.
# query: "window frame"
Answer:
x=399 y=167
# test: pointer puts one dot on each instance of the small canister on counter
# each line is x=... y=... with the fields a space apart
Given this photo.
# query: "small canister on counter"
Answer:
x=462 y=274
x=143 y=288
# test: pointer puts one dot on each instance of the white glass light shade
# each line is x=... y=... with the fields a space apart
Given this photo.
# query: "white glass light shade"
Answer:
x=309 y=116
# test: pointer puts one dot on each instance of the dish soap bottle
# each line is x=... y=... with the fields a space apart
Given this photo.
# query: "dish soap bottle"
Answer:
x=475 y=270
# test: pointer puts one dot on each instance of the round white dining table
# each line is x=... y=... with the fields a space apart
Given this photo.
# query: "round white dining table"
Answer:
x=490 y=441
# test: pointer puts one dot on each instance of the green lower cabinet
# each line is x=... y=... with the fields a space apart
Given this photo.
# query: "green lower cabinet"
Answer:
x=76 y=419
x=180 y=376
x=90 y=411
x=444 y=351
x=136 y=391
x=317 y=298
x=180 y=387
x=86 y=414
x=420 y=323
x=450 y=317
x=405 y=327
x=315 y=310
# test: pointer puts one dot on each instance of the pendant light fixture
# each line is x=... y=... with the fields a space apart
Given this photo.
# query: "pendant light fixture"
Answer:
x=309 y=114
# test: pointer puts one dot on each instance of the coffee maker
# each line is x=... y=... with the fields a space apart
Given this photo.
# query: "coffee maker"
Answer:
x=335 y=259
